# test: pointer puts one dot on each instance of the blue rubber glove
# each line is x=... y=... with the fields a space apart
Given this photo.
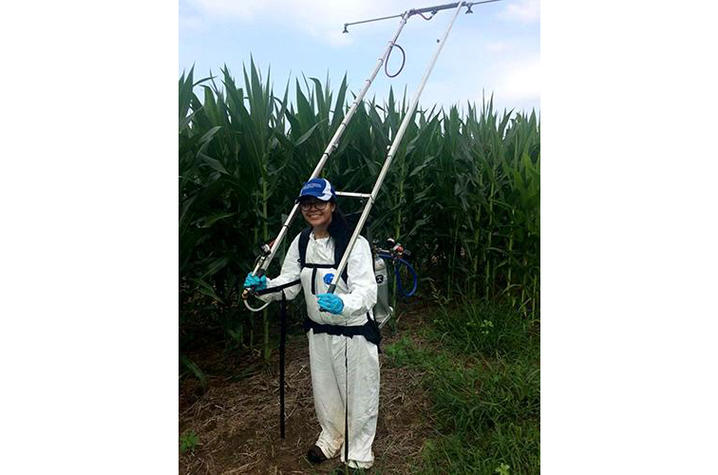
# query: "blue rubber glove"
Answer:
x=331 y=303
x=255 y=282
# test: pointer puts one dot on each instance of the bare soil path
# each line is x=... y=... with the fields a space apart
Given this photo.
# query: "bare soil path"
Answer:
x=237 y=420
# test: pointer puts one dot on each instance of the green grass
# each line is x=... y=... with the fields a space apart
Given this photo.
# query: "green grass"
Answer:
x=483 y=328
x=486 y=403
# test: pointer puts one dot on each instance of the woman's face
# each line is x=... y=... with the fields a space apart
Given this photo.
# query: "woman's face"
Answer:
x=316 y=212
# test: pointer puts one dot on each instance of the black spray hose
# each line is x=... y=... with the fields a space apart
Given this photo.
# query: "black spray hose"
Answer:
x=403 y=60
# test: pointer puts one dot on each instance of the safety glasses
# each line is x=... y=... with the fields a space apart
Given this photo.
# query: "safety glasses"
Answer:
x=316 y=204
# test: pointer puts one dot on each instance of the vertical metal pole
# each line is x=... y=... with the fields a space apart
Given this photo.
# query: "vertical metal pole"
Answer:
x=333 y=144
x=392 y=151
x=282 y=352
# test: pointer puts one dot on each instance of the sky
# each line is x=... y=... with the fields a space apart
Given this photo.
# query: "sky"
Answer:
x=495 y=50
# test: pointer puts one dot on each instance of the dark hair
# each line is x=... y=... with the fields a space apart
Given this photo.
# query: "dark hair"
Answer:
x=338 y=228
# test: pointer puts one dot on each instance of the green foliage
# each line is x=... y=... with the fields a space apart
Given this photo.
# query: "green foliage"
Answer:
x=462 y=193
x=486 y=410
x=195 y=370
x=513 y=445
x=403 y=353
x=503 y=469
x=474 y=400
x=474 y=326
x=188 y=441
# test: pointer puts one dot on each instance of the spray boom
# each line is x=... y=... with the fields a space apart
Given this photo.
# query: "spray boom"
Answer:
x=420 y=11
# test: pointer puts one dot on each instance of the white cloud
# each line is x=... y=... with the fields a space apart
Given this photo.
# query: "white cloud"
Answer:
x=526 y=11
x=514 y=84
x=520 y=81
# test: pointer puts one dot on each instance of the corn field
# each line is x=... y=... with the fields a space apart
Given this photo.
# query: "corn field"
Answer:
x=462 y=193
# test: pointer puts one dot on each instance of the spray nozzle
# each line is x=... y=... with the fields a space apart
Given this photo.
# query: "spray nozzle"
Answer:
x=345 y=28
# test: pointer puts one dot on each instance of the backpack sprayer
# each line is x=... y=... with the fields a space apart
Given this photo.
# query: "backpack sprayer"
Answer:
x=394 y=251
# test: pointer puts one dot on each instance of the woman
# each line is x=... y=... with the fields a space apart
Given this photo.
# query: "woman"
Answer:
x=342 y=333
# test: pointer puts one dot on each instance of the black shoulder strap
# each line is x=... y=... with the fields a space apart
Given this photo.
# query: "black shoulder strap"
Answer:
x=303 y=242
x=340 y=246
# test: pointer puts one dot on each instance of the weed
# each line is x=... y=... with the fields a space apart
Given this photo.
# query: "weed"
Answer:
x=502 y=469
x=188 y=441
x=195 y=370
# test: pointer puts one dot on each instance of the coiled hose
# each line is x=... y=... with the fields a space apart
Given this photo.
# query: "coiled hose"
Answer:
x=398 y=261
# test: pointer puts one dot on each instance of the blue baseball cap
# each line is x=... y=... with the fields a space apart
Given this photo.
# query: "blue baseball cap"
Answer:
x=318 y=188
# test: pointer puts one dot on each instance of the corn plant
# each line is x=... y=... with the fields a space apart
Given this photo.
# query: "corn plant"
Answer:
x=462 y=193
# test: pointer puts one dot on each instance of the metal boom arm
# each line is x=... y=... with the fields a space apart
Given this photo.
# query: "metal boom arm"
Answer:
x=263 y=263
x=418 y=11
x=392 y=151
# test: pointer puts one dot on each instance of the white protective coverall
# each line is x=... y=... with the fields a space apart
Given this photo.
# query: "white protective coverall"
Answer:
x=327 y=352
